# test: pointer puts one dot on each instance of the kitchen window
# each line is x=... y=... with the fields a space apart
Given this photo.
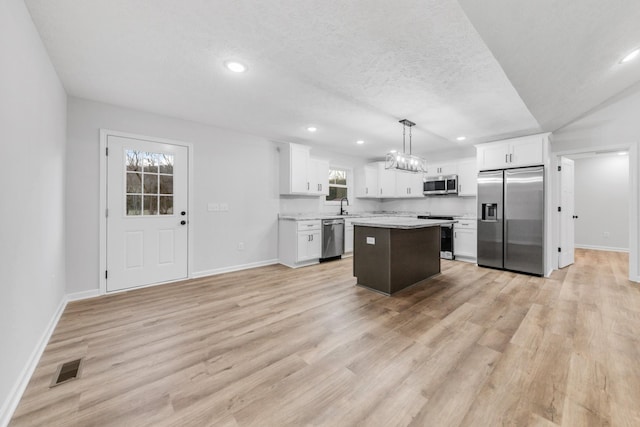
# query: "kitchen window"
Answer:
x=339 y=180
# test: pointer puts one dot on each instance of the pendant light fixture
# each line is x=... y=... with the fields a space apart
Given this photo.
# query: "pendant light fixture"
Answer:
x=403 y=161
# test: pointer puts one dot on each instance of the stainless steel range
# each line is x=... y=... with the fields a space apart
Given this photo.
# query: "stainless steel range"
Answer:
x=446 y=236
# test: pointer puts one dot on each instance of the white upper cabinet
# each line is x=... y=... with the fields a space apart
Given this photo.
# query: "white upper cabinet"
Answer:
x=386 y=182
x=442 y=169
x=319 y=176
x=525 y=151
x=300 y=174
x=468 y=177
x=409 y=185
x=367 y=182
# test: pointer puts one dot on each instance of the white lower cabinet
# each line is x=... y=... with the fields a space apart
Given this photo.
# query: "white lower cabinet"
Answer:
x=465 y=240
x=299 y=242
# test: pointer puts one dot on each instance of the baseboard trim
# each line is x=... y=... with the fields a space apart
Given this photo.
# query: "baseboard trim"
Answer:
x=233 y=268
x=9 y=407
x=602 y=248
x=77 y=296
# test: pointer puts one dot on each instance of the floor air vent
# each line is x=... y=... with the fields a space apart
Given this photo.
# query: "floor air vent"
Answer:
x=66 y=372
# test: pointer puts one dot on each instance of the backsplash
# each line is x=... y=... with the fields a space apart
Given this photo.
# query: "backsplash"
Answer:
x=434 y=205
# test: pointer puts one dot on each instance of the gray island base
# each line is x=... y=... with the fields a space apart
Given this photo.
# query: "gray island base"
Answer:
x=391 y=255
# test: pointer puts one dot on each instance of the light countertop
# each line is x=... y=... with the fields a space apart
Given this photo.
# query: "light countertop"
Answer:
x=399 y=222
x=357 y=215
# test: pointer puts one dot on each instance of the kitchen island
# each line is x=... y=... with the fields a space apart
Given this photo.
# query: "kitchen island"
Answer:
x=391 y=254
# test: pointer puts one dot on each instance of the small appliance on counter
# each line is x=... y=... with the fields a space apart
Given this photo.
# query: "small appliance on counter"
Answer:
x=446 y=235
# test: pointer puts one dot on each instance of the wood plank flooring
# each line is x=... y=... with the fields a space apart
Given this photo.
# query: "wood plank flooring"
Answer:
x=274 y=346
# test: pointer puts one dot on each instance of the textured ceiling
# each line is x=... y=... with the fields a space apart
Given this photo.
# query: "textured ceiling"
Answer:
x=351 y=68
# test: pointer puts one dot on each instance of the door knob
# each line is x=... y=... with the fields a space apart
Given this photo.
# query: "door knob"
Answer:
x=183 y=222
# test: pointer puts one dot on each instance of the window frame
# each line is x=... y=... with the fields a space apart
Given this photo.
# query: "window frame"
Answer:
x=349 y=186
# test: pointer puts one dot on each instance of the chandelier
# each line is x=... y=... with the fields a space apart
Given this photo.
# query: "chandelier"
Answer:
x=403 y=161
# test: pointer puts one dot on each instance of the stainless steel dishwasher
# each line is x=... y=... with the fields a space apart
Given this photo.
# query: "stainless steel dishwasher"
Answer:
x=332 y=238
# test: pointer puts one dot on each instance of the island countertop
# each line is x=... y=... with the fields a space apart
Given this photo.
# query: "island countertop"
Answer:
x=401 y=223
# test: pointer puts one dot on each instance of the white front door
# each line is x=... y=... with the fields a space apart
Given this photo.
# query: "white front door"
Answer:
x=567 y=213
x=147 y=220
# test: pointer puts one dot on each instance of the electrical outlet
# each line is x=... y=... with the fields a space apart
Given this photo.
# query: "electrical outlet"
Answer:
x=213 y=207
x=606 y=234
x=224 y=207
x=241 y=246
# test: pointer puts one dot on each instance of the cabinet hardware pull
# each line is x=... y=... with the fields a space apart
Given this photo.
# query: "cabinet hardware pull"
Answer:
x=307 y=185
x=506 y=158
x=511 y=158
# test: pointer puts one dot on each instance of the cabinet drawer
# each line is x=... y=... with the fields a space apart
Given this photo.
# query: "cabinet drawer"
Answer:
x=466 y=224
x=309 y=225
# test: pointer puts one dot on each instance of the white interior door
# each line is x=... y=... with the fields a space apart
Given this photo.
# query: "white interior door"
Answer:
x=147 y=221
x=567 y=213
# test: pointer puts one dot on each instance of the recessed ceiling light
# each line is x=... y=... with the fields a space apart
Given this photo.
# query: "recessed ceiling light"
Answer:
x=393 y=151
x=312 y=129
x=461 y=138
x=622 y=153
x=236 y=67
x=630 y=56
x=359 y=142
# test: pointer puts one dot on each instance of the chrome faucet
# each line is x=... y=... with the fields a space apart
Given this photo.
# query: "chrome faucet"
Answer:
x=342 y=211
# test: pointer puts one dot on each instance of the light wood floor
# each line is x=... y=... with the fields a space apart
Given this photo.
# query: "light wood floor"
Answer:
x=274 y=346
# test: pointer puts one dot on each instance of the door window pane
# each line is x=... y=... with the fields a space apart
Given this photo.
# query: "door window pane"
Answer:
x=148 y=175
x=166 y=205
x=166 y=184
x=150 y=184
x=134 y=182
x=150 y=163
x=134 y=204
x=134 y=160
x=150 y=205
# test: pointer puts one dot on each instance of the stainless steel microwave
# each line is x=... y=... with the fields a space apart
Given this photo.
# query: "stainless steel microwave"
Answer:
x=440 y=185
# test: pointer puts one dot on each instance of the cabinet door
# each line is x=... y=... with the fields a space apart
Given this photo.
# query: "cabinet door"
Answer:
x=442 y=169
x=464 y=242
x=386 y=182
x=493 y=156
x=448 y=169
x=467 y=178
x=367 y=181
x=348 y=238
x=527 y=152
x=403 y=184
x=319 y=176
x=303 y=246
x=314 y=249
x=299 y=162
x=416 y=185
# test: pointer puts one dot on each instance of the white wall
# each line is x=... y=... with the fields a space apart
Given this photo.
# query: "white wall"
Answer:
x=602 y=202
x=32 y=251
x=231 y=167
x=615 y=124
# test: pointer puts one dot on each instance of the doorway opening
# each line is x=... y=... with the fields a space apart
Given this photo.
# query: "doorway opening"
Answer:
x=598 y=209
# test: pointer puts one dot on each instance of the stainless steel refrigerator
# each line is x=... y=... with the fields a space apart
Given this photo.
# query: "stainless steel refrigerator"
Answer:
x=511 y=219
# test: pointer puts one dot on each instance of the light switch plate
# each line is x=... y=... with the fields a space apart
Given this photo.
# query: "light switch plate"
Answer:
x=371 y=240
